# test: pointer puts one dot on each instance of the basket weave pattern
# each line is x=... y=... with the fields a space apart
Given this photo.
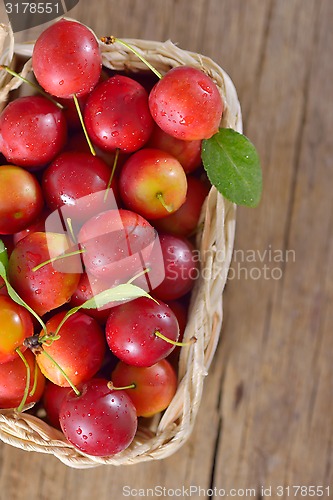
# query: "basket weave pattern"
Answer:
x=162 y=435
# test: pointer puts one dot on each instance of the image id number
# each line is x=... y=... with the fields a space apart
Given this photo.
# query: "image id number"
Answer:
x=303 y=491
x=32 y=8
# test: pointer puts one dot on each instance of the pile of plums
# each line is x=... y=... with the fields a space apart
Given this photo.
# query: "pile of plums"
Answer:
x=100 y=196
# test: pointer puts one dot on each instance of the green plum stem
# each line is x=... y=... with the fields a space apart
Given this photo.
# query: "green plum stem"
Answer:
x=113 y=388
x=33 y=85
x=58 y=257
x=79 y=112
x=48 y=339
x=65 y=318
x=168 y=208
x=33 y=390
x=112 y=39
x=115 y=161
x=141 y=273
x=77 y=392
x=173 y=342
x=16 y=298
x=70 y=227
x=27 y=385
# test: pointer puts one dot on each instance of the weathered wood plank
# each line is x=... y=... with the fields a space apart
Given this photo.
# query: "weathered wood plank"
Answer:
x=280 y=432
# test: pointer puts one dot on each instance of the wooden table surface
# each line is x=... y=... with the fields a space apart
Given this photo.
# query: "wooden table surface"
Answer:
x=266 y=418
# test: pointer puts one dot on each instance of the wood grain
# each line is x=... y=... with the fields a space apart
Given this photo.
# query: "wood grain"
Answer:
x=266 y=414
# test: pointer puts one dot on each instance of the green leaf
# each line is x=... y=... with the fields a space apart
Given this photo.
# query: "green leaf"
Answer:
x=116 y=294
x=233 y=166
x=121 y=292
x=16 y=298
x=3 y=254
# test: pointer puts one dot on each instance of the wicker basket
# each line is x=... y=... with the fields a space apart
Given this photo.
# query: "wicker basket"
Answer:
x=162 y=435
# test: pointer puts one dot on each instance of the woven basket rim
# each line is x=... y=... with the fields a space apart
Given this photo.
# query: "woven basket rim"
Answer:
x=165 y=433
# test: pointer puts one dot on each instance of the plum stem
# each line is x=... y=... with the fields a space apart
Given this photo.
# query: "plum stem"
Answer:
x=16 y=298
x=77 y=392
x=70 y=227
x=141 y=273
x=33 y=390
x=33 y=85
x=173 y=342
x=108 y=40
x=58 y=257
x=48 y=339
x=113 y=388
x=168 y=208
x=115 y=161
x=79 y=112
x=27 y=385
